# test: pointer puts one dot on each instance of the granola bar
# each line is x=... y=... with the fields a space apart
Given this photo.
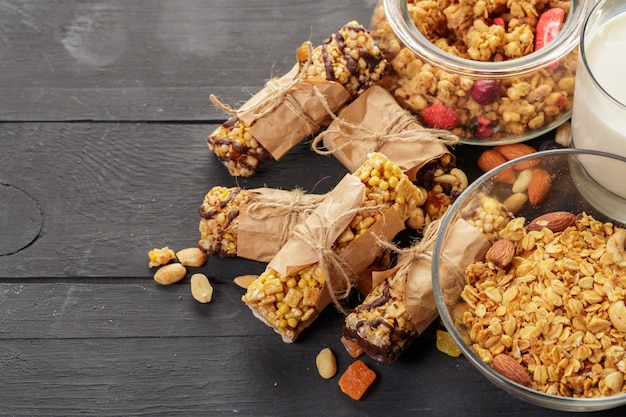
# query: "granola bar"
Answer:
x=291 y=302
x=349 y=58
x=381 y=324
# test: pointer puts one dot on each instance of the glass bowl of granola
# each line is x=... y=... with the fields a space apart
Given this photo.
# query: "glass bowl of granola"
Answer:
x=491 y=72
x=529 y=279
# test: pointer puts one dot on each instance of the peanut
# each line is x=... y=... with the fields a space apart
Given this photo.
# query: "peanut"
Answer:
x=193 y=257
x=244 y=281
x=563 y=135
x=515 y=202
x=201 y=288
x=170 y=273
x=417 y=219
x=326 y=363
x=521 y=183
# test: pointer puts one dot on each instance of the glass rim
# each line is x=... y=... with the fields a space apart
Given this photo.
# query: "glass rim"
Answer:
x=397 y=14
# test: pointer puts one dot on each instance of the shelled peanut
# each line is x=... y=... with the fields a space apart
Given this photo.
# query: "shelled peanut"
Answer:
x=529 y=182
x=172 y=268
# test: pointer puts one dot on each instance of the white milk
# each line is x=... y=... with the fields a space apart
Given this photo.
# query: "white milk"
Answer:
x=597 y=122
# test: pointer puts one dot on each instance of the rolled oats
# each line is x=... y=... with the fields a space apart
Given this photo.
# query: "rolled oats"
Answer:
x=558 y=308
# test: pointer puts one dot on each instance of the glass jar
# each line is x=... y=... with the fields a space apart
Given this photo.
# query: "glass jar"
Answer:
x=504 y=100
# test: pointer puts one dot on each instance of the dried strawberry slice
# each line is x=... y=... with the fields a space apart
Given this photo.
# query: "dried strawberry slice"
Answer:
x=439 y=116
x=548 y=26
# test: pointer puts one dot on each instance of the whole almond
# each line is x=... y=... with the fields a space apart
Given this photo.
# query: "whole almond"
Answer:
x=490 y=159
x=557 y=221
x=511 y=369
x=506 y=176
x=501 y=253
x=170 y=273
x=539 y=186
x=516 y=150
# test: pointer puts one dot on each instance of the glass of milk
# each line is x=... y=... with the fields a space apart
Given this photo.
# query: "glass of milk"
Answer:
x=599 y=110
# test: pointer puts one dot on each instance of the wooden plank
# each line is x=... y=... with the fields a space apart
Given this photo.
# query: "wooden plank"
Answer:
x=101 y=349
x=154 y=59
x=110 y=192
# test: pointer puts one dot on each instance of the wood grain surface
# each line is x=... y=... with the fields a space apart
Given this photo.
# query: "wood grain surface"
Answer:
x=151 y=59
x=104 y=114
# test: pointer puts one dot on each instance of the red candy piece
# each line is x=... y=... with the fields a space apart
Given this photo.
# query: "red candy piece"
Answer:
x=439 y=116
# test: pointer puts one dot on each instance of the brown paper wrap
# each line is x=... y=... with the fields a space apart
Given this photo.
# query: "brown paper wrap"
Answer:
x=288 y=109
x=312 y=241
x=401 y=304
x=375 y=122
x=313 y=254
x=463 y=246
x=267 y=221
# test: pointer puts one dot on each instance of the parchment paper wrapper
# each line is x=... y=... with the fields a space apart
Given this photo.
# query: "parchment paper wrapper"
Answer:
x=375 y=122
x=401 y=304
x=324 y=226
x=312 y=269
x=267 y=222
x=464 y=245
x=288 y=109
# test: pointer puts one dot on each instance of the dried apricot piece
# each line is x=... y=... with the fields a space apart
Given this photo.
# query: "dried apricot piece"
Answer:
x=446 y=344
x=356 y=379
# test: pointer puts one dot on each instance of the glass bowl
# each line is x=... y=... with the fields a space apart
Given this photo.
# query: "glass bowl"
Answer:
x=572 y=190
x=502 y=102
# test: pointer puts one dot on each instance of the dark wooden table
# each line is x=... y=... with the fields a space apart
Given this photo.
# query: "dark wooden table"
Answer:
x=105 y=113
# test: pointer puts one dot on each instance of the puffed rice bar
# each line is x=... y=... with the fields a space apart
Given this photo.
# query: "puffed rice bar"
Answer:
x=386 y=186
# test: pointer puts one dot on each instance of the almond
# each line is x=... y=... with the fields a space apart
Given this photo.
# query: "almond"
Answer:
x=539 y=186
x=509 y=368
x=516 y=150
x=489 y=160
x=506 y=176
x=556 y=221
x=501 y=253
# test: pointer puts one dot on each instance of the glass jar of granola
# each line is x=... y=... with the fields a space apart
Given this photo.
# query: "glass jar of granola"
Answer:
x=492 y=72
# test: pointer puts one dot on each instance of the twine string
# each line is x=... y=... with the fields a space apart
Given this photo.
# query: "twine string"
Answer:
x=291 y=210
x=339 y=276
x=399 y=128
